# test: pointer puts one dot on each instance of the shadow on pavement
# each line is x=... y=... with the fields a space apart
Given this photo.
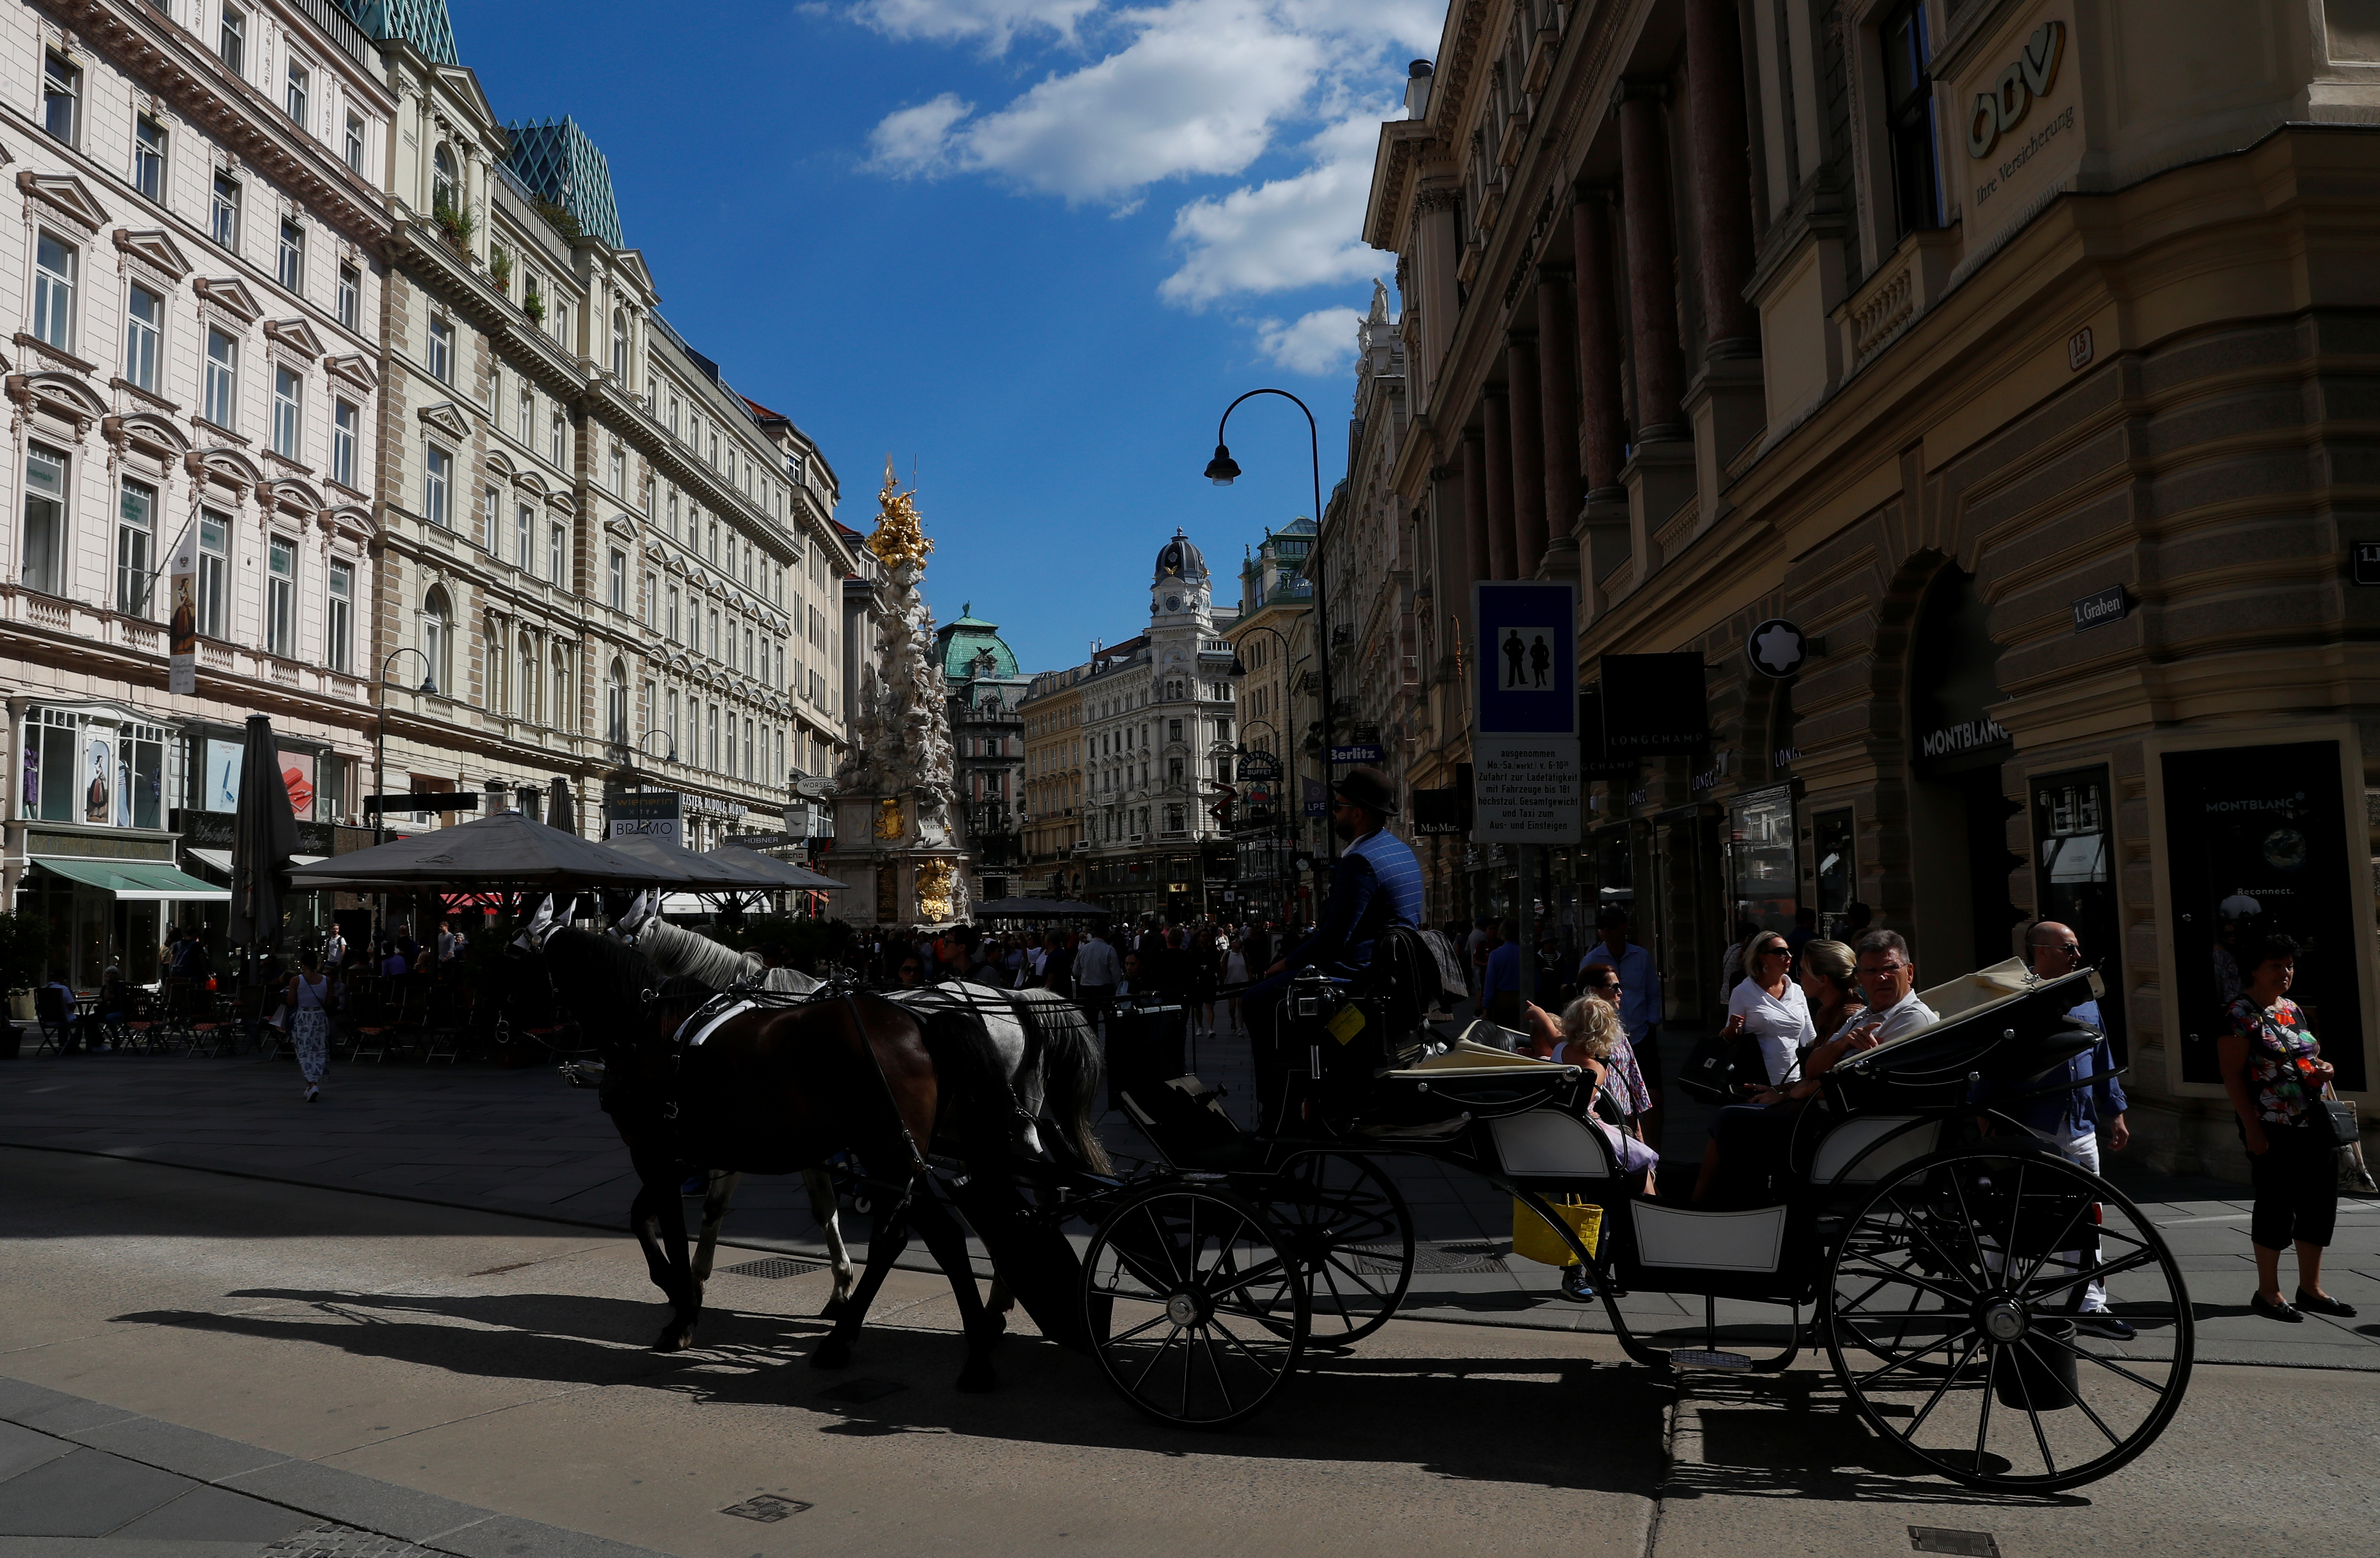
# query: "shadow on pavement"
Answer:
x=1558 y=1423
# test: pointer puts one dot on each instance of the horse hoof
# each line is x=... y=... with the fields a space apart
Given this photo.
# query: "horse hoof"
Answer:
x=997 y=1324
x=835 y=1307
x=674 y=1338
x=832 y=1352
x=977 y=1378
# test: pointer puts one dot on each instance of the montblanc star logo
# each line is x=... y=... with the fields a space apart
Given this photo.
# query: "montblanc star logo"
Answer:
x=1780 y=648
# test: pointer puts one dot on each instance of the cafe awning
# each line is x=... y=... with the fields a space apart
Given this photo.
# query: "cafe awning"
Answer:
x=136 y=881
x=220 y=858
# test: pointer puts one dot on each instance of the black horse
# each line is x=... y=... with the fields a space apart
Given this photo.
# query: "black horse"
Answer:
x=783 y=1087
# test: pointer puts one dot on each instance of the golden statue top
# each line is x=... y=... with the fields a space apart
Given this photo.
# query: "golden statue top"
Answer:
x=900 y=534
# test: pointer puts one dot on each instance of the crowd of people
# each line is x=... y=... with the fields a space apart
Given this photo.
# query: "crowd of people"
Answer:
x=1202 y=964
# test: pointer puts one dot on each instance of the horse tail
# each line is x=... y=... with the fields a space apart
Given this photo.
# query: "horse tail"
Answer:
x=1072 y=1070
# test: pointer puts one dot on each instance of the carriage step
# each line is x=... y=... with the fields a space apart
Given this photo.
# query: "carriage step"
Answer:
x=1699 y=1358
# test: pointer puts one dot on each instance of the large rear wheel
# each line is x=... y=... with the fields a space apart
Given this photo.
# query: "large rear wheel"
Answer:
x=1953 y=1318
x=1195 y=1307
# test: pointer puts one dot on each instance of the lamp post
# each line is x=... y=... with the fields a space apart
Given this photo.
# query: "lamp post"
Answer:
x=380 y=759
x=1222 y=470
x=379 y=735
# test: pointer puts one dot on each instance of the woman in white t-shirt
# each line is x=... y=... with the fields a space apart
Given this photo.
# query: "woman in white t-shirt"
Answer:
x=1768 y=1007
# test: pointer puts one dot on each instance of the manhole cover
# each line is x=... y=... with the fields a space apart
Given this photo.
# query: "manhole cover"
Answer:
x=331 y=1539
x=857 y=1390
x=1381 y=1259
x=775 y=1266
x=766 y=1508
x=1967 y=1544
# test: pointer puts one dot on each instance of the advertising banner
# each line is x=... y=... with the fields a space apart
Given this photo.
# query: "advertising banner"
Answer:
x=221 y=780
x=298 y=774
x=182 y=629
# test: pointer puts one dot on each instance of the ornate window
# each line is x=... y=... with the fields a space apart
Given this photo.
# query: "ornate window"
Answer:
x=445 y=190
x=53 y=290
x=438 y=640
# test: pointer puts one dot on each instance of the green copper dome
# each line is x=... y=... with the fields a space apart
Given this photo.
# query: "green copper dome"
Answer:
x=966 y=641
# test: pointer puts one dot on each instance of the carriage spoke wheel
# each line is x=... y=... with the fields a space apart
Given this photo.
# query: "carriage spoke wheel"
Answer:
x=1353 y=1235
x=1950 y=1311
x=1195 y=1307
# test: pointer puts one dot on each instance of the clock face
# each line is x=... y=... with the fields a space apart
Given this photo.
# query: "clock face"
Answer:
x=1172 y=560
x=1173 y=603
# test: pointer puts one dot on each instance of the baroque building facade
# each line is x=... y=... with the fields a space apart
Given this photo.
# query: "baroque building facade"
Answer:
x=2006 y=351
x=1053 y=711
x=194 y=280
x=987 y=745
x=601 y=564
x=1278 y=693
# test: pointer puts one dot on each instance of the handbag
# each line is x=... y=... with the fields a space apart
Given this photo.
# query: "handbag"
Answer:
x=2337 y=1119
x=1708 y=1075
x=1533 y=1240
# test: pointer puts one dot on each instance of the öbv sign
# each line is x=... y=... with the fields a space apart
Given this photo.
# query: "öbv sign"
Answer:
x=2030 y=75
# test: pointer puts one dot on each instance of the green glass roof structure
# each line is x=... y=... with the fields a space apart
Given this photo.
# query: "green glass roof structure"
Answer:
x=422 y=23
x=558 y=163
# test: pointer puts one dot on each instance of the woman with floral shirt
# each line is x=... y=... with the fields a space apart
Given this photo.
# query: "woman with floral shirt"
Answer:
x=2273 y=1069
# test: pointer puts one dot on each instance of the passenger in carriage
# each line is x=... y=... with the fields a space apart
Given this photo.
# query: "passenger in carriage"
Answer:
x=1751 y=1144
x=1588 y=1034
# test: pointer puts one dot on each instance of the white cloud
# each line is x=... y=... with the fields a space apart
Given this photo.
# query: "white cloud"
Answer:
x=994 y=22
x=916 y=141
x=1315 y=344
x=1181 y=89
x=1286 y=233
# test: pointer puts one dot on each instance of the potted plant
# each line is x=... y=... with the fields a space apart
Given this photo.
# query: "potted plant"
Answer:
x=532 y=305
x=457 y=223
x=500 y=266
x=24 y=950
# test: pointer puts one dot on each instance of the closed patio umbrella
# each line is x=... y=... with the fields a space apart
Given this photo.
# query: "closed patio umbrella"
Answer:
x=559 y=812
x=263 y=837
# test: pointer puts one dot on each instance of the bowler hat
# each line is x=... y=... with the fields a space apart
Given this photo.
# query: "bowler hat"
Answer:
x=1367 y=788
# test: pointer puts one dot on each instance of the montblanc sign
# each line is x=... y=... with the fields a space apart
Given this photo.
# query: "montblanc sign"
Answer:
x=1967 y=737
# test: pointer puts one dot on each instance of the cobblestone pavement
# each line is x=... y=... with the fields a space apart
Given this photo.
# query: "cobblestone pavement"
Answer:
x=524 y=1141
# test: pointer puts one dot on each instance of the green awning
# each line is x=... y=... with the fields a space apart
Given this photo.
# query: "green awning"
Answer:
x=136 y=881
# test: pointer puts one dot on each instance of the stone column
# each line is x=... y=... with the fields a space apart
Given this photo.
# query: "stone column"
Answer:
x=1652 y=262
x=1602 y=412
x=1557 y=374
x=1440 y=255
x=1495 y=415
x=1722 y=159
x=1528 y=454
x=1474 y=507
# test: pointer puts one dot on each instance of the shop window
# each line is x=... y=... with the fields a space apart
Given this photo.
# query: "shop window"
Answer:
x=93 y=767
x=1835 y=869
x=2073 y=866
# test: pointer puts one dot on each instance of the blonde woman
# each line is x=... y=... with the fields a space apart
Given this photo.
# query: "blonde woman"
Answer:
x=1588 y=1034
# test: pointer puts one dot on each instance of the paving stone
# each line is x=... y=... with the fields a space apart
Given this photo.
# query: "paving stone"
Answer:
x=21 y=1449
x=357 y=1500
x=217 y=1515
x=207 y=1456
x=86 y=1494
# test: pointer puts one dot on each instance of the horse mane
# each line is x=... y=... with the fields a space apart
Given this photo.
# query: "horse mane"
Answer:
x=602 y=980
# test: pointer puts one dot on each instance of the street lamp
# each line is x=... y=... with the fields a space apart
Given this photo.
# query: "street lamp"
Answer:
x=379 y=735
x=1222 y=470
x=669 y=756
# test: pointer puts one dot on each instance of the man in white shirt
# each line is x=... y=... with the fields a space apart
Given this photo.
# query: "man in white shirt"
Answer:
x=1096 y=970
x=1887 y=975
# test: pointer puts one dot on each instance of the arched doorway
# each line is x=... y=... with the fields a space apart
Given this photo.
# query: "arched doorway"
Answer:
x=1960 y=858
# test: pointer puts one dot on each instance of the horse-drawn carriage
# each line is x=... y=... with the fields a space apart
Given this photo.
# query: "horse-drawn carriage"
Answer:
x=1925 y=1239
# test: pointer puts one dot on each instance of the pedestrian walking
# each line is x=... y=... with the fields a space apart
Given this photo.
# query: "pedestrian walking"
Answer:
x=1098 y=971
x=1236 y=974
x=2274 y=1071
x=309 y=1022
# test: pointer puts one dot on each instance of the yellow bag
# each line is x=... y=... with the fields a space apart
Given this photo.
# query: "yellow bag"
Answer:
x=1534 y=1240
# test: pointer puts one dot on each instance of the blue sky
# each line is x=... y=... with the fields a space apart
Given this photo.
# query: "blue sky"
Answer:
x=1035 y=246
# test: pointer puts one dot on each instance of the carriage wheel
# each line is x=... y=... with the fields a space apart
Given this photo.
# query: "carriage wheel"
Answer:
x=1353 y=1235
x=1195 y=1309
x=1950 y=1319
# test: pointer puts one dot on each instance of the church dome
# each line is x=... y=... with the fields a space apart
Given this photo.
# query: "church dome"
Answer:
x=972 y=648
x=1181 y=560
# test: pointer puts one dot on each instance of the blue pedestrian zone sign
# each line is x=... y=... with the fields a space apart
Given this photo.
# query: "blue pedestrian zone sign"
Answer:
x=1526 y=658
